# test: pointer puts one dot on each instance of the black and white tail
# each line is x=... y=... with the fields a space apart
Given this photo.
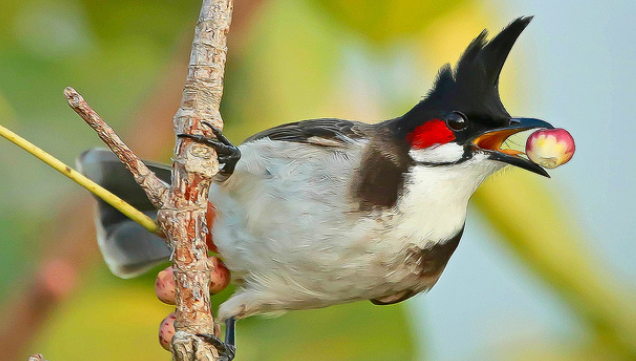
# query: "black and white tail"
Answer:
x=128 y=248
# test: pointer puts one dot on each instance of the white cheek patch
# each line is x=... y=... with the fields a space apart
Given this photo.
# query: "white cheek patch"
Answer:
x=444 y=153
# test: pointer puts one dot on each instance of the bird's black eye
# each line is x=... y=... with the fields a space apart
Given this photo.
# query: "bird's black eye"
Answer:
x=456 y=121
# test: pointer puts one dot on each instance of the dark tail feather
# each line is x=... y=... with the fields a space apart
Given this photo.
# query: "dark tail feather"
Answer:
x=128 y=248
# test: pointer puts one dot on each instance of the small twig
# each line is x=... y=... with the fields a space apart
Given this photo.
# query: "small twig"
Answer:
x=154 y=187
x=80 y=179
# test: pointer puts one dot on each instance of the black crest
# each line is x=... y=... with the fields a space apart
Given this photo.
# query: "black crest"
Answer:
x=473 y=87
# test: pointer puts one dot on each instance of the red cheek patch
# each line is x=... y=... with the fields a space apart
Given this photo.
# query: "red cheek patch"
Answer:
x=430 y=133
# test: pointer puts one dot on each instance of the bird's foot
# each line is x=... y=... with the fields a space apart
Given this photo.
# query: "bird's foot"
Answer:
x=226 y=351
x=228 y=153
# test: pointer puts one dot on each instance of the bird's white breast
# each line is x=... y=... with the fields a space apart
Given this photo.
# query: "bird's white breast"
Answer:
x=433 y=207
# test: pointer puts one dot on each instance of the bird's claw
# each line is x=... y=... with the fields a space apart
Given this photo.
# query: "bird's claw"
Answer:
x=227 y=152
x=226 y=351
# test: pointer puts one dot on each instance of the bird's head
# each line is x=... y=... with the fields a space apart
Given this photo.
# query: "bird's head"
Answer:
x=462 y=118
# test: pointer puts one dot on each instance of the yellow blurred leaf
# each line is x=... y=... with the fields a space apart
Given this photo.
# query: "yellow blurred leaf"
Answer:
x=382 y=20
x=105 y=323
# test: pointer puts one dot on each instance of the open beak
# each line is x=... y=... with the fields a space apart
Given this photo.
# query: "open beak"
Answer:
x=490 y=142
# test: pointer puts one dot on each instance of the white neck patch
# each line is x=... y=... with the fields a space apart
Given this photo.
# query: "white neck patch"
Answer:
x=433 y=207
x=442 y=153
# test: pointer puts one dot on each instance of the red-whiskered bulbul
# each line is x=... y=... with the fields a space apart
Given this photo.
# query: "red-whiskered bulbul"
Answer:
x=327 y=211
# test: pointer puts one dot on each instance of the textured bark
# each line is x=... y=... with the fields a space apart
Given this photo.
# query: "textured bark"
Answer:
x=183 y=215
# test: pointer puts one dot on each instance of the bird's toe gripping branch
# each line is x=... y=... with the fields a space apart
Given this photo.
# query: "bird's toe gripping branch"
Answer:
x=227 y=348
x=228 y=153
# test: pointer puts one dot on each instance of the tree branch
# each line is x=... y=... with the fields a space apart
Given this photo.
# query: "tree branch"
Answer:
x=183 y=216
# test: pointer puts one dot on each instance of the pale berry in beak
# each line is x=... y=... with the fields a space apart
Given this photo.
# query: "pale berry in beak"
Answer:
x=550 y=148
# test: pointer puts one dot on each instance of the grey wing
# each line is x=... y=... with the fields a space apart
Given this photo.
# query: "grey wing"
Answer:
x=128 y=248
x=325 y=132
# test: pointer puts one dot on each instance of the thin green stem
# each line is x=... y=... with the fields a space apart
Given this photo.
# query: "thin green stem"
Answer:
x=101 y=192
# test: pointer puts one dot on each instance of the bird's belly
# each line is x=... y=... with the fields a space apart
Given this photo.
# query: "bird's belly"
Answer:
x=308 y=267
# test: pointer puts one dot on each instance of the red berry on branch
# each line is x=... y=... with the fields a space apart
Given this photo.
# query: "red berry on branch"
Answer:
x=220 y=277
x=165 y=288
x=167 y=331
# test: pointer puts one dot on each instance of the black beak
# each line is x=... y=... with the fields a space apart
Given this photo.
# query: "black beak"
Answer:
x=491 y=140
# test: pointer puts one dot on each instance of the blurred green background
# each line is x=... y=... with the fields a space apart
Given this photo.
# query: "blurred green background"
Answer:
x=545 y=270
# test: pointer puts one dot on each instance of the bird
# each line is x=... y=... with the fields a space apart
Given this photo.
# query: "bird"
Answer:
x=322 y=212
